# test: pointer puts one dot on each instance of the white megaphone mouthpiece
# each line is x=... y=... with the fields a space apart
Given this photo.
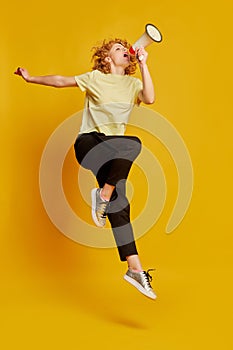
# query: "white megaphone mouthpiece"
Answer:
x=151 y=34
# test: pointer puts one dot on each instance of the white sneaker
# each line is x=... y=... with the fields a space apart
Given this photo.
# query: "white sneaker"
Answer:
x=99 y=208
x=141 y=280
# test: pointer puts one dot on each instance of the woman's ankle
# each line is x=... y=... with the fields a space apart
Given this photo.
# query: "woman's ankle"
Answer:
x=134 y=263
x=106 y=192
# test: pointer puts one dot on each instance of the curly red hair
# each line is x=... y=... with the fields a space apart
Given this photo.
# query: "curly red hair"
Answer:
x=102 y=51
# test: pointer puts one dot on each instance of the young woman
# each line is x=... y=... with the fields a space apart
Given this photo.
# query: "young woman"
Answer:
x=102 y=147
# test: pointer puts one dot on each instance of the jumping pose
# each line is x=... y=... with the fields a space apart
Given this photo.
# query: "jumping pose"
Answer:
x=102 y=146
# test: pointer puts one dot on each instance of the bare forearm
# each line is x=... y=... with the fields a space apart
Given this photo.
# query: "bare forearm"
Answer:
x=147 y=93
x=57 y=81
x=49 y=80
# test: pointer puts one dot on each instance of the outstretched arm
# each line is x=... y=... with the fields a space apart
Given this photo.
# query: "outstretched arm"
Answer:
x=49 y=80
x=146 y=95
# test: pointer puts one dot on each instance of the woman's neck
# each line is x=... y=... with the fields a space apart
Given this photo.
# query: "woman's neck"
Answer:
x=118 y=70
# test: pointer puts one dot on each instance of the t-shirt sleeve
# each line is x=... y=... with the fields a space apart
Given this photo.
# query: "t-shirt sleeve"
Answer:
x=83 y=81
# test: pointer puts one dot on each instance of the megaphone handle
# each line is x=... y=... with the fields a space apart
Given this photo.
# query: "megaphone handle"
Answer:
x=132 y=51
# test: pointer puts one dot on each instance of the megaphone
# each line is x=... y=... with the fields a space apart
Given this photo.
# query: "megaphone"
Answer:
x=151 y=34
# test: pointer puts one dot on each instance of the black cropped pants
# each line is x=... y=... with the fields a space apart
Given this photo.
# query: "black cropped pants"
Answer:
x=110 y=159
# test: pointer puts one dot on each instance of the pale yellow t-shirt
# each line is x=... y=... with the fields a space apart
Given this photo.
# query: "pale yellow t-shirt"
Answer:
x=109 y=101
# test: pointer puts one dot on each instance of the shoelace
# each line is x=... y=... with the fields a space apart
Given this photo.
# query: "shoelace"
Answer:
x=103 y=215
x=103 y=210
x=148 y=276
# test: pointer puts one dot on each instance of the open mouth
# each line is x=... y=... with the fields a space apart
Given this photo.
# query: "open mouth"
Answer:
x=126 y=55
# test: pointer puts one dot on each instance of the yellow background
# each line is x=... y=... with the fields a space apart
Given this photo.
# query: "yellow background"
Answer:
x=57 y=294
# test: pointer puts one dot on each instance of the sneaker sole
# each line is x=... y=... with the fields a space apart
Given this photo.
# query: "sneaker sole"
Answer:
x=139 y=287
x=93 y=200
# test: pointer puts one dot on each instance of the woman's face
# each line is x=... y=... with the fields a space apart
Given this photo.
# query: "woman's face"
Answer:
x=119 y=55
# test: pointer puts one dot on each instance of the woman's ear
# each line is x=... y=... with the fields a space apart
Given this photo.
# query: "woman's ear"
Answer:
x=107 y=59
